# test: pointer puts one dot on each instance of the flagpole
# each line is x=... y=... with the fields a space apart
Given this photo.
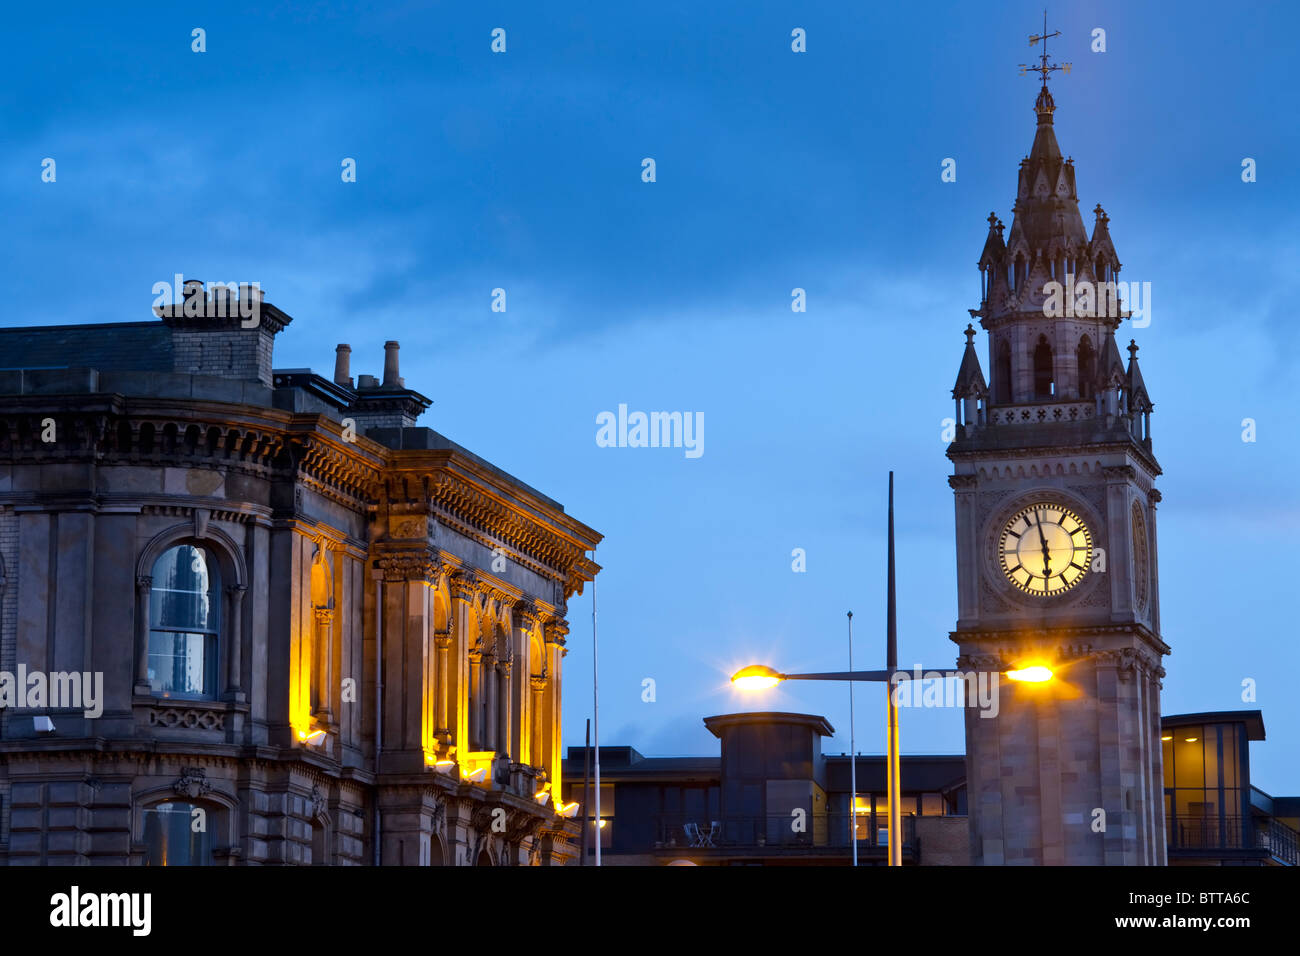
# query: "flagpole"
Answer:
x=891 y=664
x=853 y=760
x=595 y=693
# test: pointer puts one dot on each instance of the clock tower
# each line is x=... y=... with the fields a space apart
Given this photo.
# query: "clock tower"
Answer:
x=1054 y=481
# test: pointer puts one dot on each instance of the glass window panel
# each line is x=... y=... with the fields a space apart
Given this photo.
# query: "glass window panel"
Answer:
x=1212 y=756
x=1230 y=759
x=182 y=664
x=862 y=822
x=606 y=799
x=184 y=591
x=1232 y=804
x=1189 y=757
x=170 y=837
x=882 y=820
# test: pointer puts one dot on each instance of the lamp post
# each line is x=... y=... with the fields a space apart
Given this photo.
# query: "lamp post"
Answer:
x=891 y=705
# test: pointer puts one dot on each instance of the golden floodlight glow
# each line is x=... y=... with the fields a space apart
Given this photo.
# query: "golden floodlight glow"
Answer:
x=1192 y=740
x=1035 y=674
x=311 y=738
x=477 y=776
x=1170 y=737
x=756 y=677
x=568 y=810
x=444 y=766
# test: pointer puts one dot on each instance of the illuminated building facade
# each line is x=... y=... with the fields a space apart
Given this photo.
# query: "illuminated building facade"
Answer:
x=325 y=635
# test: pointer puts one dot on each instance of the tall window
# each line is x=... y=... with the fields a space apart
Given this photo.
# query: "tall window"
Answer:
x=184 y=622
x=1087 y=368
x=1043 y=387
x=1002 y=373
x=177 y=834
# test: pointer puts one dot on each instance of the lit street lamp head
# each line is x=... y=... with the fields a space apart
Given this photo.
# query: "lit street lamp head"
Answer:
x=1036 y=674
x=756 y=677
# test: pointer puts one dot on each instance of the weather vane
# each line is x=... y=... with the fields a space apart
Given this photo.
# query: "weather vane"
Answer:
x=1044 y=69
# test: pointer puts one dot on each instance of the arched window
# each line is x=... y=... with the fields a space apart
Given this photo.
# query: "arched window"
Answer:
x=1043 y=384
x=1087 y=368
x=1002 y=373
x=184 y=623
x=178 y=834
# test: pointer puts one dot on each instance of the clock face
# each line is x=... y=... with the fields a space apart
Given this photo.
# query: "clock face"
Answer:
x=1046 y=549
x=1140 y=556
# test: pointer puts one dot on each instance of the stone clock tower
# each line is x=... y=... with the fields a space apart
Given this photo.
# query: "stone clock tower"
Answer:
x=1054 y=481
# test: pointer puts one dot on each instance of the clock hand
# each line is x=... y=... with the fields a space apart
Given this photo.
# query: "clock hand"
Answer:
x=1047 y=554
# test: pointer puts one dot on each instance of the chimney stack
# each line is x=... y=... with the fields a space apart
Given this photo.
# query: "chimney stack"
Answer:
x=342 y=363
x=391 y=378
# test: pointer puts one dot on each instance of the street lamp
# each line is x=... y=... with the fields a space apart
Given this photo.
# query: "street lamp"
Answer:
x=761 y=677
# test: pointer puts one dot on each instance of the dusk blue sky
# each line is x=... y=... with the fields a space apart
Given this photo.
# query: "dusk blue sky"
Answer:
x=775 y=170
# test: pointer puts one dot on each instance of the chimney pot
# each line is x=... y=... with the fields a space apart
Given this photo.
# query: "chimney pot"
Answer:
x=391 y=377
x=342 y=366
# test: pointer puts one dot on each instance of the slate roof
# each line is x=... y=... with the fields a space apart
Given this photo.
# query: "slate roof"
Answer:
x=123 y=346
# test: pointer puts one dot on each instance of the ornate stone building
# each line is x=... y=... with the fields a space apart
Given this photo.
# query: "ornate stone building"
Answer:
x=325 y=636
x=1054 y=481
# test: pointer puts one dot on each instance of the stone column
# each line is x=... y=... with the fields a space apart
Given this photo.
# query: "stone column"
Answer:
x=443 y=643
x=1153 y=574
x=235 y=636
x=408 y=645
x=537 y=738
x=503 y=741
x=490 y=702
x=1119 y=543
x=462 y=604
x=964 y=488
x=475 y=698
x=556 y=631
x=321 y=682
x=143 y=585
x=524 y=621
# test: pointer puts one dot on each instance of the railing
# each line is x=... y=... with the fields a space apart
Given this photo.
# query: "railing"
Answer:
x=1045 y=412
x=1209 y=835
x=813 y=831
x=1281 y=842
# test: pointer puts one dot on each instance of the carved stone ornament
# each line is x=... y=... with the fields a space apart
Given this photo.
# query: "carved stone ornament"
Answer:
x=409 y=526
x=409 y=566
x=193 y=782
x=463 y=587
